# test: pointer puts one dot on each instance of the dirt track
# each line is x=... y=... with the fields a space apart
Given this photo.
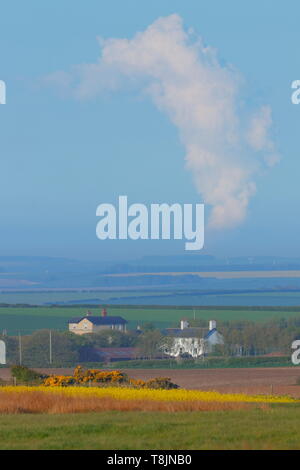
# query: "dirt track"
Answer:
x=279 y=380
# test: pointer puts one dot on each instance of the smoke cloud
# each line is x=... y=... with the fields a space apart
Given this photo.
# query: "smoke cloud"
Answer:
x=224 y=147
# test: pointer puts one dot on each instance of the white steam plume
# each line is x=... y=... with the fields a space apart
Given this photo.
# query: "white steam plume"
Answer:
x=224 y=149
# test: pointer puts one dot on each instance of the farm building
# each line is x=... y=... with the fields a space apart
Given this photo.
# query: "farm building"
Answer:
x=116 y=354
x=94 y=324
x=192 y=341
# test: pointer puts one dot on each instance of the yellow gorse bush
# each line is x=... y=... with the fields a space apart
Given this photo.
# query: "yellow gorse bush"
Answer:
x=114 y=377
x=59 y=381
x=95 y=375
x=126 y=393
x=82 y=376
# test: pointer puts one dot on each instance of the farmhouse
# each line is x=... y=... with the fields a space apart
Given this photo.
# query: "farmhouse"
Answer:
x=94 y=324
x=192 y=341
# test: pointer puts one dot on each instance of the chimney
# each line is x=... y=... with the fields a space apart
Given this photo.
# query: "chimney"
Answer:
x=184 y=324
x=104 y=313
x=88 y=313
x=212 y=325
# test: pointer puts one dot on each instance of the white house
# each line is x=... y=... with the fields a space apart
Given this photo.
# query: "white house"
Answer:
x=94 y=324
x=193 y=341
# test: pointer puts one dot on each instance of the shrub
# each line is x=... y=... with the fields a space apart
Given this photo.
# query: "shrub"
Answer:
x=161 y=383
x=137 y=383
x=25 y=375
x=98 y=376
x=82 y=377
x=59 y=381
x=114 y=377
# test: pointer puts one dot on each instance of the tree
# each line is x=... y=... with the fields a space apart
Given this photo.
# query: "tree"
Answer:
x=148 y=326
x=36 y=349
x=113 y=339
x=150 y=344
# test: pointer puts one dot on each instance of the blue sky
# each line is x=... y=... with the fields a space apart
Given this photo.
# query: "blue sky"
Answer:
x=61 y=157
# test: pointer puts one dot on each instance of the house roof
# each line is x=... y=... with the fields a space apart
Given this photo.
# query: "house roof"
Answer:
x=185 y=333
x=211 y=332
x=189 y=332
x=117 y=353
x=100 y=320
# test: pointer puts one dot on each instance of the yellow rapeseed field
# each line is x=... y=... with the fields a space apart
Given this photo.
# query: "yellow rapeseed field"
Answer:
x=178 y=395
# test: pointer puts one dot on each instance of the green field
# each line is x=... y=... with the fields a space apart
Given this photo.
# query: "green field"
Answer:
x=28 y=319
x=155 y=296
x=274 y=428
x=81 y=296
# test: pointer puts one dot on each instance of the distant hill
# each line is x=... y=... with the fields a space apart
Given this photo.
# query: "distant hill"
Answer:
x=26 y=272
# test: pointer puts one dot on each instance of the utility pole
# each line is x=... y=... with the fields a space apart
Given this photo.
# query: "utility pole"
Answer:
x=20 y=349
x=50 y=347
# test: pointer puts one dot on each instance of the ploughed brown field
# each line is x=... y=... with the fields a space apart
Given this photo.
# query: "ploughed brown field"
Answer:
x=279 y=380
